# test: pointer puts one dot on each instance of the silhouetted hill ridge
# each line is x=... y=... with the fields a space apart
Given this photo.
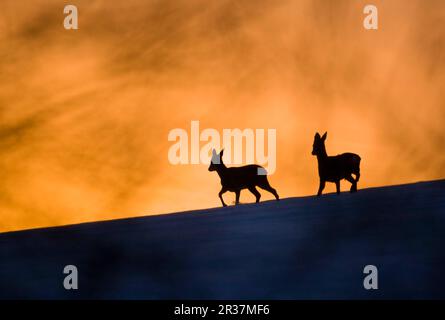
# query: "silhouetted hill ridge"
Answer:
x=297 y=248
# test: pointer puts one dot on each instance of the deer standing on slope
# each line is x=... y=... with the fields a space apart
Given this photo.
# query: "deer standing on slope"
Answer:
x=335 y=168
x=237 y=178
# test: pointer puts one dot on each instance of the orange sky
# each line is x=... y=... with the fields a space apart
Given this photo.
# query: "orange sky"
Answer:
x=85 y=115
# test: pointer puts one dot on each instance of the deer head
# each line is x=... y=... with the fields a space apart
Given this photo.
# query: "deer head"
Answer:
x=216 y=161
x=318 y=148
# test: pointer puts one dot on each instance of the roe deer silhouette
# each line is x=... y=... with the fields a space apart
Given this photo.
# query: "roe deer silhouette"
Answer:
x=235 y=179
x=335 y=168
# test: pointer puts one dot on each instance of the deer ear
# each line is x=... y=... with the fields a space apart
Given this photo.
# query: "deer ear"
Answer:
x=214 y=153
x=317 y=136
x=221 y=153
x=324 y=136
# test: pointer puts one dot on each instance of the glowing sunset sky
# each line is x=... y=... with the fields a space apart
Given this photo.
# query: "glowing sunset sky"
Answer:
x=85 y=115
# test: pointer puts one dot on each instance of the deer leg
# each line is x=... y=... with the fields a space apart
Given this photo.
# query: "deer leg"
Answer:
x=321 y=187
x=353 y=183
x=220 y=196
x=266 y=186
x=357 y=177
x=237 y=193
x=337 y=186
x=255 y=193
x=274 y=192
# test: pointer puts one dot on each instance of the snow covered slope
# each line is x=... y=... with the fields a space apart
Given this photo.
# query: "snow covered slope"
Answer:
x=298 y=248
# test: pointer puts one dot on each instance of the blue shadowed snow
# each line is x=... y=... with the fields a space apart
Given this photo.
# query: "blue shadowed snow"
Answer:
x=298 y=248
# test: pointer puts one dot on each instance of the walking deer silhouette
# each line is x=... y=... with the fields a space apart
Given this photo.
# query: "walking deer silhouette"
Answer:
x=335 y=168
x=236 y=179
